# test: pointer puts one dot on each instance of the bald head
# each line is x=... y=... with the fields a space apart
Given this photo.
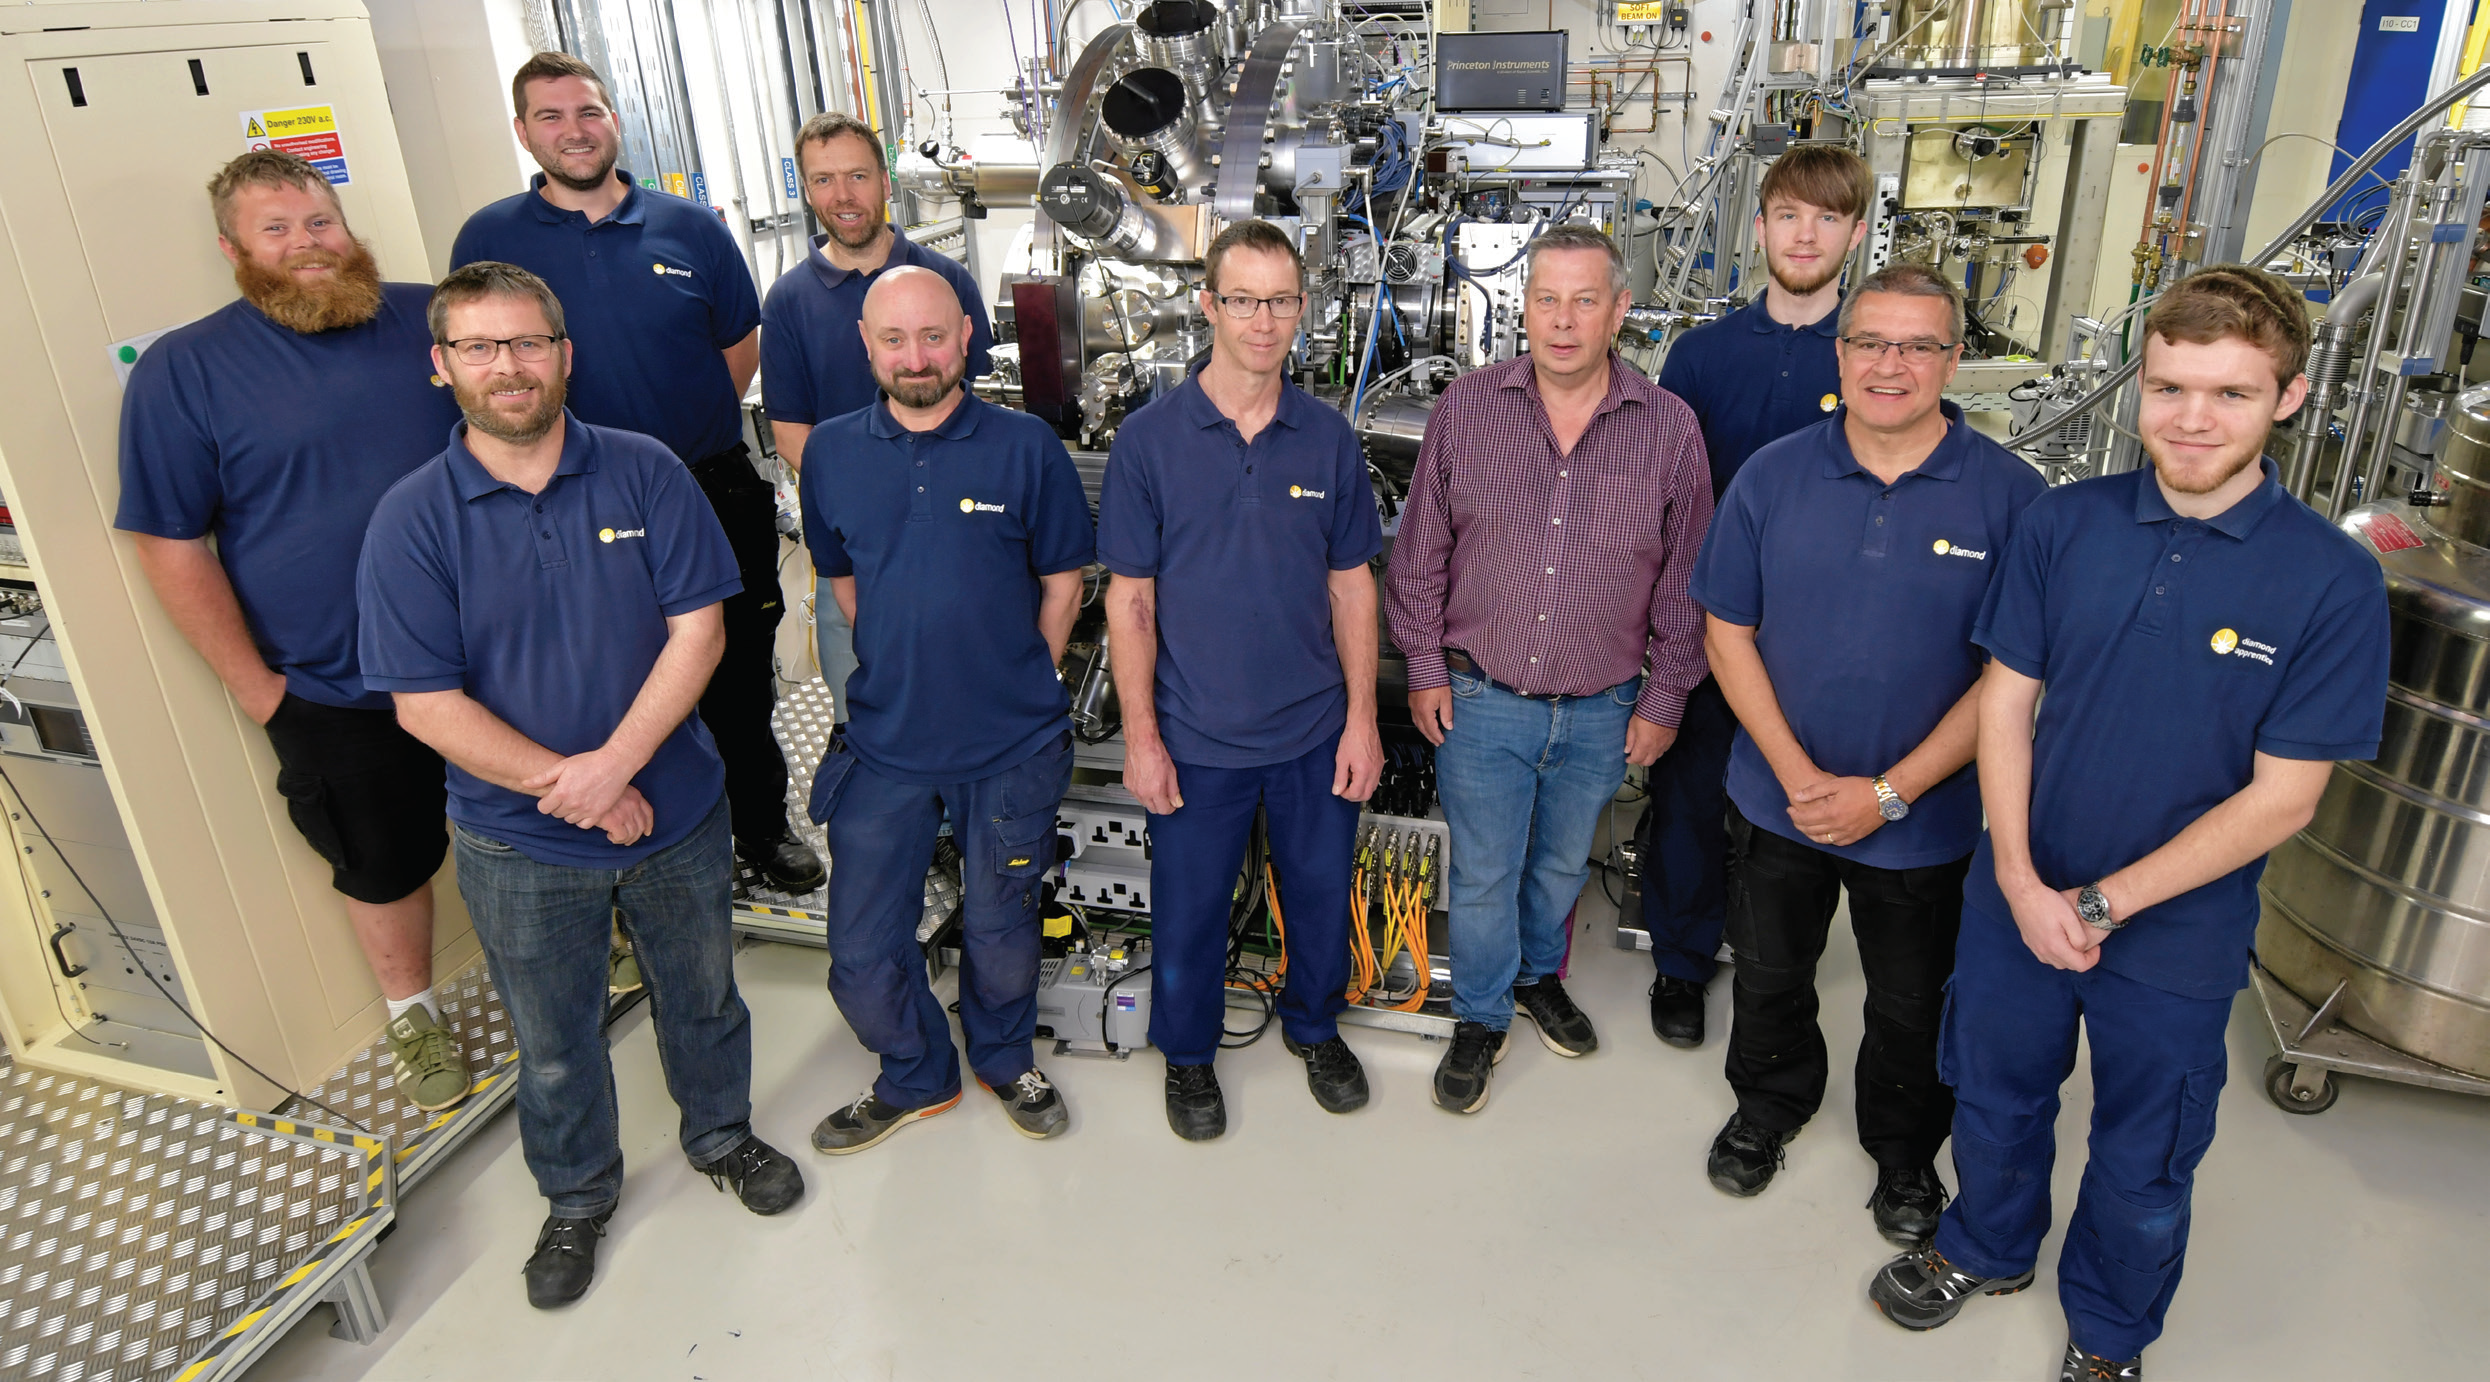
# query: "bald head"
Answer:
x=916 y=333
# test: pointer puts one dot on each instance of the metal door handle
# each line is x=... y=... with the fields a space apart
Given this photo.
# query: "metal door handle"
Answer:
x=60 y=956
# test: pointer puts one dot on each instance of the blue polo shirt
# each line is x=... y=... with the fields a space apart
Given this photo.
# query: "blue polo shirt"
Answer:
x=549 y=610
x=813 y=362
x=2174 y=651
x=1862 y=596
x=280 y=443
x=650 y=296
x=1241 y=540
x=946 y=533
x=1752 y=380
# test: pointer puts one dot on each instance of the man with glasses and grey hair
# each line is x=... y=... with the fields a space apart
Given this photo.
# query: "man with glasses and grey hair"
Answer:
x=1538 y=589
x=1238 y=522
x=542 y=601
x=1841 y=580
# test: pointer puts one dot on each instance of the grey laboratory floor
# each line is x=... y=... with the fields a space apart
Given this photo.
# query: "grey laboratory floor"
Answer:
x=1566 y=1231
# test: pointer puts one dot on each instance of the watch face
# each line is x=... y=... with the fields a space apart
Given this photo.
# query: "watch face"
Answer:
x=1892 y=810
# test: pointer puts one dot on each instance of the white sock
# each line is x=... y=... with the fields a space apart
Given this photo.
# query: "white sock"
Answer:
x=398 y=1006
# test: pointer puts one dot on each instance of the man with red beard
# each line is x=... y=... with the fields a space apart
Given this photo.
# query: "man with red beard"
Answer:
x=543 y=601
x=2208 y=646
x=274 y=425
x=1756 y=375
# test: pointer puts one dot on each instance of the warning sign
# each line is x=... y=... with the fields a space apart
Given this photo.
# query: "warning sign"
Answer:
x=309 y=131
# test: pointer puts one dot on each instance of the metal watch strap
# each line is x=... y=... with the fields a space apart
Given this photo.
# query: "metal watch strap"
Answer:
x=1889 y=803
x=2094 y=908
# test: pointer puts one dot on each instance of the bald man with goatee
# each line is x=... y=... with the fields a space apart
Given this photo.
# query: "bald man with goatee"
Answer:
x=952 y=534
x=274 y=425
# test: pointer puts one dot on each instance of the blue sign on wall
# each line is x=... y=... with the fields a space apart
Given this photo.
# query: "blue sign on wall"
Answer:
x=786 y=166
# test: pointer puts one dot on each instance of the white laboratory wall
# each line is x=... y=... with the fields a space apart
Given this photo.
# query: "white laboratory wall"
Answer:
x=448 y=66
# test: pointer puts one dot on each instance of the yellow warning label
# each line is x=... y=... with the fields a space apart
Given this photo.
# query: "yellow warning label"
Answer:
x=676 y=185
x=281 y=124
x=252 y=129
x=1629 y=12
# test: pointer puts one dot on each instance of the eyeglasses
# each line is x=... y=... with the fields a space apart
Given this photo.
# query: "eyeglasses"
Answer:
x=1913 y=352
x=1284 y=309
x=484 y=350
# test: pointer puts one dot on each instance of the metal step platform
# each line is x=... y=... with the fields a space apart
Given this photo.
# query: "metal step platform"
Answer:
x=145 y=1238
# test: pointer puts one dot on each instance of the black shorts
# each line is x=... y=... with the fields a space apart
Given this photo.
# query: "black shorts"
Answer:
x=366 y=795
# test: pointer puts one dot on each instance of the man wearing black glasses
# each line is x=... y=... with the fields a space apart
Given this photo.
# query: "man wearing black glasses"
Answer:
x=1238 y=522
x=1840 y=579
x=543 y=601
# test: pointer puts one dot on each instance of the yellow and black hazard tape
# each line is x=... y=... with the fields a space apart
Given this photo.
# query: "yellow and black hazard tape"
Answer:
x=207 y=1364
x=791 y=913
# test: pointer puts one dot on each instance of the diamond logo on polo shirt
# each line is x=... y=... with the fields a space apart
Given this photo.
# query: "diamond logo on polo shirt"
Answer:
x=665 y=269
x=1944 y=548
x=2229 y=644
x=1829 y=402
x=972 y=506
x=1301 y=492
x=609 y=534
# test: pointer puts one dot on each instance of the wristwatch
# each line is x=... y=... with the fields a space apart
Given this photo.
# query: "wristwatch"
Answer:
x=1889 y=803
x=2095 y=909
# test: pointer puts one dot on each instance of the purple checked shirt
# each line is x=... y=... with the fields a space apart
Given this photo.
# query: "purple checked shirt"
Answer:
x=1561 y=574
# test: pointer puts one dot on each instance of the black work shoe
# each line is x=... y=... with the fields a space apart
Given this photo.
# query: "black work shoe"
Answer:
x=1677 y=1011
x=2092 y=1367
x=760 y=1175
x=1921 y=1290
x=1565 y=1028
x=1332 y=1072
x=787 y=862
x=1032 y=1104
x=1461 y=1077
x=1744 y=1155
x=1906 y=1204
x=867 y=1121
x=565 y=1260
x=1196 y=1110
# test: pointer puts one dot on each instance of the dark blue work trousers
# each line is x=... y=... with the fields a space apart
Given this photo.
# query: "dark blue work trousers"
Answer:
x=1196 y=854
x=2158 y=1064
x=881 y=836
x=1683 y=840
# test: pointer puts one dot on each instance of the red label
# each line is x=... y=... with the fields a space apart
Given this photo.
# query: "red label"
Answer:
x=2387 y=533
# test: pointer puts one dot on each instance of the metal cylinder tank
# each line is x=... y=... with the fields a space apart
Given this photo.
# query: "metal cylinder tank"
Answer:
x=1971 y=33
x=2386 y=894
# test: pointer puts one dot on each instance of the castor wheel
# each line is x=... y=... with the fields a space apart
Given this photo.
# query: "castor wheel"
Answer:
x=2279 y=1074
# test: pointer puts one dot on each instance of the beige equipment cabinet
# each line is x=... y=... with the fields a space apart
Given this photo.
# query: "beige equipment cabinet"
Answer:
x=112 y=118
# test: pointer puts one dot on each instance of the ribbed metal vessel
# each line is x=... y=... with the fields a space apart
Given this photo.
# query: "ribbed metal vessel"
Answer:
x=1971 y=33
x=2386 y=894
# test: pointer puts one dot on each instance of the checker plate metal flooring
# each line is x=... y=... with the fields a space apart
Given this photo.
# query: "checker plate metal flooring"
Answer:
x=365 y=1089
x=144 y=1237
x=803 y=721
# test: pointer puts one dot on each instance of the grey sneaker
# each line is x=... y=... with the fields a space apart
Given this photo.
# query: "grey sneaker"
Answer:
x=867 y=1121
x=1033 y=1105
x=2080 y=1366
x=431 y=1068
x=1921 y=1290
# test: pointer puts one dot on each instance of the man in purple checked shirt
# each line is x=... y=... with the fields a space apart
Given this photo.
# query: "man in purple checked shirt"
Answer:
x=1538 y=589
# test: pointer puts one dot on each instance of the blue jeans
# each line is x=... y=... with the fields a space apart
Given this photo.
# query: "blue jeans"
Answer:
x=881 y=835
x=547 y=931
x=2158 y=1066
x=1523 y=783
x=834 y=645
x=1194 y=856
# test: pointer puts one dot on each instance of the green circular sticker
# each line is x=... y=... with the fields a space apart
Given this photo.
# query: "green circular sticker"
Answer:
x=129 y=355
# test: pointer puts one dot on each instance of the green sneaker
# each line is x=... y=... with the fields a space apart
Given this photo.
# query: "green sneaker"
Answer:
x=622 y=972
x=432 y=1069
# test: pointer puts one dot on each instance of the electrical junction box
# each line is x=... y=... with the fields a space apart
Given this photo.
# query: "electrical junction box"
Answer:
x=1500 y=71
x=1527 y=142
